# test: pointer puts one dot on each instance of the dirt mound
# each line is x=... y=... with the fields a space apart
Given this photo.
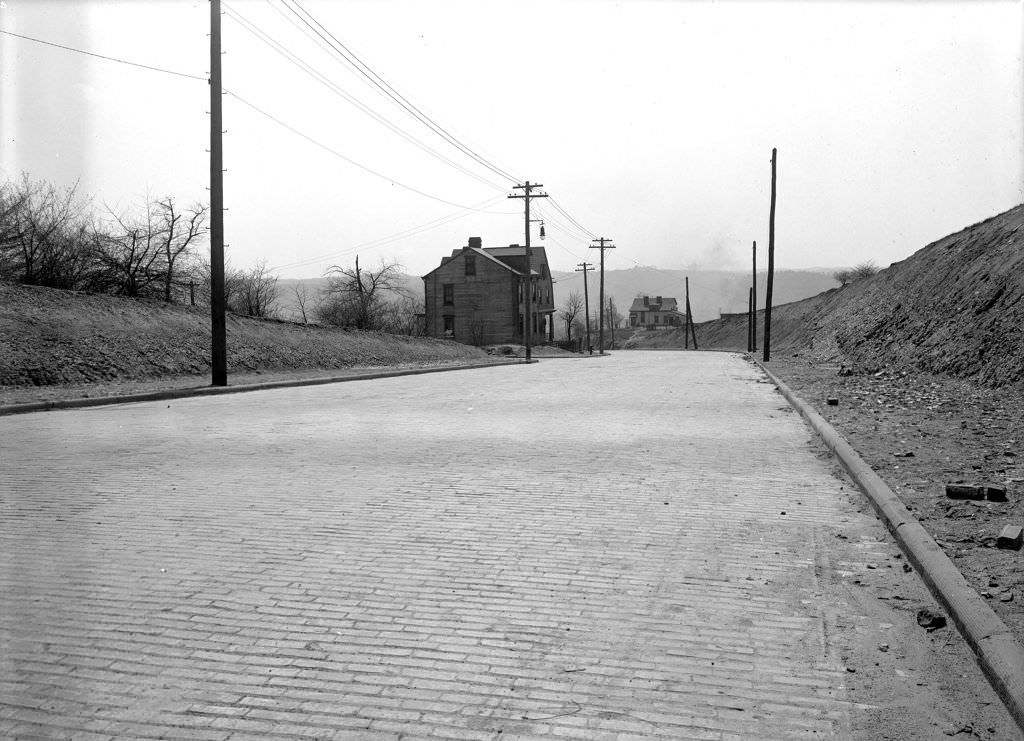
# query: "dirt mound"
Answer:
x=953 y=308
x=49 y=337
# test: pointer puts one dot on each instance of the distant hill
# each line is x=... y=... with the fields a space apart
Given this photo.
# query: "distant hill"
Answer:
x=954 y=307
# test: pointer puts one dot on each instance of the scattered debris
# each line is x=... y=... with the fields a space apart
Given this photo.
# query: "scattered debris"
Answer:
x=930 y=620
x=832 y=401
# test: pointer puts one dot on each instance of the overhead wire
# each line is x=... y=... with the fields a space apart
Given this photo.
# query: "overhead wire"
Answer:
x=341 y=156
x=364 y=69
x=284 y=51
x=464 y=210
x=404 y=234
x=103 y=56
x=558 y=207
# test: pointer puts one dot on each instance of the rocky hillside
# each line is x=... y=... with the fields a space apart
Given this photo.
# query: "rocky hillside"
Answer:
x=955 y=308
x=51 y=337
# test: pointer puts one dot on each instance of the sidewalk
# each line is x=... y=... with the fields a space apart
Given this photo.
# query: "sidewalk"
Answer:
x=648 y=547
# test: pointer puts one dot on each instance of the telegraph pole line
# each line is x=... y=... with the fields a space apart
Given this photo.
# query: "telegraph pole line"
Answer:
x=584 y=266
x=527 y=189
x=219 y=348
x=602 y=246
x=753 y=303
x=611 y=319
x=771 y=270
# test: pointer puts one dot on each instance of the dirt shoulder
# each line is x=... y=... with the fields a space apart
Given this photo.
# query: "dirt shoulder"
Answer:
x=920 y=432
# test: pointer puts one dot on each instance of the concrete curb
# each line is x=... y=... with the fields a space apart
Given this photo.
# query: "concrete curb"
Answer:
x=1000 y=655
x=161 y=395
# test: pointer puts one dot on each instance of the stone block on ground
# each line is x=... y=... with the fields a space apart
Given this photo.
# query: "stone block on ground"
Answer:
x=1012 y=536
x=995 y=493
x=965 y=491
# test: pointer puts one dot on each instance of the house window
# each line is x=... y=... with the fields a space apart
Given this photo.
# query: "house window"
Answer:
x=449 y=326
x=449 y=294
x=543 y=270
x=470 y=264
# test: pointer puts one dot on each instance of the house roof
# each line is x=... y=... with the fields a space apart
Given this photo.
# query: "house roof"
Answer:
x=493 y=254
x=667 y=304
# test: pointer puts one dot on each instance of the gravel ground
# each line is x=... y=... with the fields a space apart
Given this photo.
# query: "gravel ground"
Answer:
x=920 y=432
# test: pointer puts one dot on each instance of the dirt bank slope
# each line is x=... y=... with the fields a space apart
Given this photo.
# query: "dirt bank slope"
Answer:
x=50 y=337
x=954 y=308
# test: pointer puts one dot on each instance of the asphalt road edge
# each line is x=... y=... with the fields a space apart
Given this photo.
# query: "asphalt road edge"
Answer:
x=998 y=653
x=183 y=393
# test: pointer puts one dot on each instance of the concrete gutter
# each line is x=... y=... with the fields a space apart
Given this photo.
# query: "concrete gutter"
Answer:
x=998 y=652
x=162 y=394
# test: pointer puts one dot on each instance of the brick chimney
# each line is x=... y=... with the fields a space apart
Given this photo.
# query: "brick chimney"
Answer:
x=476 y=242
x=659 y=300
x=647 y=300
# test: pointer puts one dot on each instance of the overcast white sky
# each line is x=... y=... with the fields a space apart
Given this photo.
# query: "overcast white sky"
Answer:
x=648 y=122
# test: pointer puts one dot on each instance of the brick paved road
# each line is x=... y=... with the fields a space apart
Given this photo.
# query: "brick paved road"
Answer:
x=588 y=549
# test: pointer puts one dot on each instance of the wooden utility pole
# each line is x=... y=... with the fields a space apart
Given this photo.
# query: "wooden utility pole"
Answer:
x=689 y=314
x=584 y=266
x=602 y=246
x=219 y=344
x=527 y=189
x=771 y=269
x=750 y=320
x=753 y=303
x=611 y=319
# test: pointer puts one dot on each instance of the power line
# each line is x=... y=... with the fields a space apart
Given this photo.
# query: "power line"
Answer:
x=254 y=107
x=267 y=39
x=381 y=241
x=102 y=56
x=566 y=214
x=400 y=100
x=569 y=231
x=341 y=156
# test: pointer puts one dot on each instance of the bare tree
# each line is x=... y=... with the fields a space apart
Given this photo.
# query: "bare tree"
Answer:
x=39 y=221
x=257 y=293
x=357 y=298
x=302 y=299
x=864 y=269
x=843 y=277
x=571 y=309
x=130 y=253
x=178 y=232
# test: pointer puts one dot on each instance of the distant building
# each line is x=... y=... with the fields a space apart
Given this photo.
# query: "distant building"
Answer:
x=655 y=312
x=475 y=295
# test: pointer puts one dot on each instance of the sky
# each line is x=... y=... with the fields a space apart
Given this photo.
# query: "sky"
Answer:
x=648 y=123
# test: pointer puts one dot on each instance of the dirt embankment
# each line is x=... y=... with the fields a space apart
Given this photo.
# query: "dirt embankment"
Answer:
x=52 y=338
x=954 y=308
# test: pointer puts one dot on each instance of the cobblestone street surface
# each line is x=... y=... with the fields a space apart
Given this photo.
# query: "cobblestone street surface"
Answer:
x=630 y=547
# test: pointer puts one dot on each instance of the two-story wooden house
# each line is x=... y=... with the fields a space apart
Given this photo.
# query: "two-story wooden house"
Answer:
x=475 y=295
x=655 y=312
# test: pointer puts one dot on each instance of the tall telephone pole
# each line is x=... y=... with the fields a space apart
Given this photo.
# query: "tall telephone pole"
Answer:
x=219 y=345
x=584 y=266
x=771 y=270
x=602 y=246
x=527 y=189
x=753 y=302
